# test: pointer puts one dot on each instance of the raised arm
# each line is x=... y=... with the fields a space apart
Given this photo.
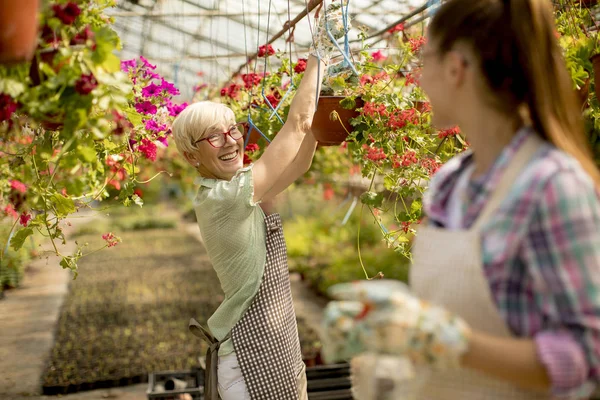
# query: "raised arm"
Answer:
x=297 y=168
x=284 y=148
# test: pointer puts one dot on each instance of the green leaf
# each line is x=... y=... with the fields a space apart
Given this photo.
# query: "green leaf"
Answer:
x=349 y=103
x=389 y=183
x=372 y=199
x=106 y=41
x=112 y=63
x=64 y=205
x=134 y=117
x=88 y=153
x=11 y=87
x=19 y=238
x=415 y=208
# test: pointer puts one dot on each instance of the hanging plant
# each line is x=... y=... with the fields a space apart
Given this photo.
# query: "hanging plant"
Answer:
x=75 y=128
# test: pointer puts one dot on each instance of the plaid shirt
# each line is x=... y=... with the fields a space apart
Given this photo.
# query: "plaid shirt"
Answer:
x=541 y=254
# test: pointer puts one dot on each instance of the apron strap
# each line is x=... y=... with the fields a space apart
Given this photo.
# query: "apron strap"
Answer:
x=510 y=175
x=211 y=391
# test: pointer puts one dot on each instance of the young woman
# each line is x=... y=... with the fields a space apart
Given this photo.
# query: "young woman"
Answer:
x=512 y=243
x=253 y=332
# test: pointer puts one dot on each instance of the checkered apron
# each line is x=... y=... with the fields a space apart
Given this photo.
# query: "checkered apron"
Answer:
x=266 y=338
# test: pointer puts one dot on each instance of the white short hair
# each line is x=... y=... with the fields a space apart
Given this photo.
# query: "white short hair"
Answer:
x=197 y=119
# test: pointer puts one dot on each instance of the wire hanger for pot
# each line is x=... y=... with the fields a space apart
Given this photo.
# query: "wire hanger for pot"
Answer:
x=251 y=125
x=291 y=86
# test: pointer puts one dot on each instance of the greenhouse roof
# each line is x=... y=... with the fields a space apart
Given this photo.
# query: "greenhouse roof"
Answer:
x=206 y=41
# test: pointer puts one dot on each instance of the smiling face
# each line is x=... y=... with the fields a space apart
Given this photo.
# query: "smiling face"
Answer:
x=220 y=162
x=217 y=158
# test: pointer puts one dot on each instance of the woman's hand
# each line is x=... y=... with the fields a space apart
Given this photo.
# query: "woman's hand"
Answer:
x=384 y=317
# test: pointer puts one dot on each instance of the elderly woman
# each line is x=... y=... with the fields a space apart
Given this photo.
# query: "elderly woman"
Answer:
x=254 y=328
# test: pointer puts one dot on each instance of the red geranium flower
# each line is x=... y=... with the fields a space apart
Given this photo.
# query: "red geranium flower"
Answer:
x=266 y=50
x=85 y=84
x=300 y=66
x=67 y=13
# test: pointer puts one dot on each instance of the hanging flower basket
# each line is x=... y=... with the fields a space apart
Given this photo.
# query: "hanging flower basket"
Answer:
x=331 y=123
x=18 y=30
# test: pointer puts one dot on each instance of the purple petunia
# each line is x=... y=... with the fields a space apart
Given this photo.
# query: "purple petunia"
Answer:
x=152 y=90
x=163 y=140
x=147 y=63
x=169 y=88
x=128 y=64
x=146 y=107
x=153 y=126
x=175 y=109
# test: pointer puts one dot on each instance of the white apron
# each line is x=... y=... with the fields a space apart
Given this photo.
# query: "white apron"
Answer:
x=448 y=271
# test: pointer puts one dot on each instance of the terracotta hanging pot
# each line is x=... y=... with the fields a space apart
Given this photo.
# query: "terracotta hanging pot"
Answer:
x=18 y=30
x=254 y=137
x=596 y=63
x=327 y=121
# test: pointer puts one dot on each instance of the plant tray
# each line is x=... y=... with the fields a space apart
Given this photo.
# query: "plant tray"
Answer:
x=194 y=379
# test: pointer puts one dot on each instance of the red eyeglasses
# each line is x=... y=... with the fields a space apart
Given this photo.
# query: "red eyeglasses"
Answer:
x=218 y=140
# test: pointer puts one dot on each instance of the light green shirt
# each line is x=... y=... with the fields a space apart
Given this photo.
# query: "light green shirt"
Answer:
x=234 y=234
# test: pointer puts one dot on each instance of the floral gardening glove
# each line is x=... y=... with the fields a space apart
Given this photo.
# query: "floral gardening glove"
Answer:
x=322 y=46
x=384 y=317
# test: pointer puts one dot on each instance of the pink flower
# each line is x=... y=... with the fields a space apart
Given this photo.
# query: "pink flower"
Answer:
x=175 y=109
x=272 y=100
x=163 y=140
x=328 y=192
x=147 y=63
x=300 y=66
x=83 y=36
x=266 y=50
x=24 y=219
x=417 y=43
x=148 y=149
x=7 y=107
x=146 y=107
x=85 y=84
x=397 y=28
x=169 y=88
x=9 y=210
x=128 y=64
x=111 y=240
x=152 y=125
x=152 y=90
x=431 y=165
x=449 y=132
x=374 y=154
x=378 y=56
x=373 y=109
x=67 y=13
x=230 y=91
x=251 y=80
x=18 y=186
x=366 y=79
